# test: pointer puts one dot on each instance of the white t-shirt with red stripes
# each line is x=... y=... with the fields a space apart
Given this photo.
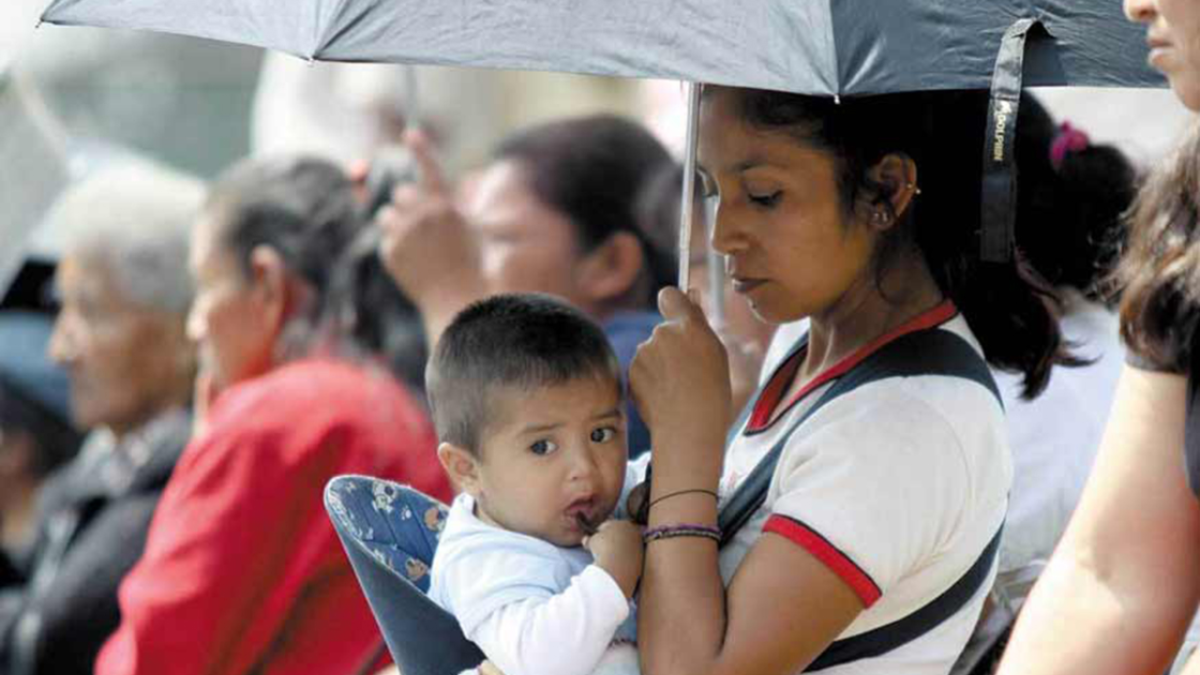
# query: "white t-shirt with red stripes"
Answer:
x=896 y=486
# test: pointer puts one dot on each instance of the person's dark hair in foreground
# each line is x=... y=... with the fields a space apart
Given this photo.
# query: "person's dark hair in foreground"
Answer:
x=508 y=342
x=1160 y=272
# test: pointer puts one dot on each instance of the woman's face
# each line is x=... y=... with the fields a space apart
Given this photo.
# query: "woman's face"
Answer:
x=126 y=361
x=740 y=320
x=228 y=321
x=524 y=245
x=1173 y=32
x=790 y=250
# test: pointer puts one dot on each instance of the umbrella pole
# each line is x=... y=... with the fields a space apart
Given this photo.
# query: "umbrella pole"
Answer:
x=686 y=208
x=716 y=270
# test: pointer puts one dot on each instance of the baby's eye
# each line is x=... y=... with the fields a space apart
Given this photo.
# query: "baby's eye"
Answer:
x=543 y=447
x=603 y=434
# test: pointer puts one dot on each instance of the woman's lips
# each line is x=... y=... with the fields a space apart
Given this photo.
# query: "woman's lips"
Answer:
x=1158 y=57
x=747 y=285
x=1159 y=49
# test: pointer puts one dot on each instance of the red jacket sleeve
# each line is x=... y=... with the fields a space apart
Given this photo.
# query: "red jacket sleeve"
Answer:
x=238 y=533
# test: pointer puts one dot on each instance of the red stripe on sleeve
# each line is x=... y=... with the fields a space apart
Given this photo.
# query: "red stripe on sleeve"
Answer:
x=808 y=539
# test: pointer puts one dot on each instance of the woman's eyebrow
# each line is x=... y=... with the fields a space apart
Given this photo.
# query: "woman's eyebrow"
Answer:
x=748 y=164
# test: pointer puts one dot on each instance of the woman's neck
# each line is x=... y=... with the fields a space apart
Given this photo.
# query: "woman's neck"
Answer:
x=865 y=313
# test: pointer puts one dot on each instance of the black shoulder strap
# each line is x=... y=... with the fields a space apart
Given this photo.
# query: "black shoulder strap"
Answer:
x=884 y=639
x=926 y=352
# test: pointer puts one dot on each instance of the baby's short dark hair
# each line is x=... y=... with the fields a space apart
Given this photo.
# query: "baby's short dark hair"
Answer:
x=524 y=341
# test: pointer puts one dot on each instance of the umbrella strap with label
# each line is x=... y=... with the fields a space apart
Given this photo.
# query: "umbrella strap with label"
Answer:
x=999 y=198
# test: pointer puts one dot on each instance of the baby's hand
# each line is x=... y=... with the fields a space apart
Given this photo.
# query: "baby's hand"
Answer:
x=618 y=548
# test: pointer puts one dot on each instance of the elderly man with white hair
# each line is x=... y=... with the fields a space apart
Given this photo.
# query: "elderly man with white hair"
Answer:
x=121 y=335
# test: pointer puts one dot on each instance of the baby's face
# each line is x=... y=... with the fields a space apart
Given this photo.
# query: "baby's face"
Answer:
x=551 y=456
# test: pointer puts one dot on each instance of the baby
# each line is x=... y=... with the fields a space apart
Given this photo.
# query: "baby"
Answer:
x=527 y=400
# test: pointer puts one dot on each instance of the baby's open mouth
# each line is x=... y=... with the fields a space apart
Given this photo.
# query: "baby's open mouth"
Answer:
x=586 y=525
x=581 y=512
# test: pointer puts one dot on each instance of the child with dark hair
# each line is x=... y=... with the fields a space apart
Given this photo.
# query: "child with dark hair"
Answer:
x=555 y=211
x=527 y=401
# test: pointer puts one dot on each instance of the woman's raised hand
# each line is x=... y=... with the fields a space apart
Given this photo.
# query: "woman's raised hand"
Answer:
x=427 y=245
x=680 y=383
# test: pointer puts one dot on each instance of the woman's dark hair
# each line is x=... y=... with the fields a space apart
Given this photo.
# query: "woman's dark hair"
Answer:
x=369 y=307
x=1010 y=309
x=56 y=441
x=592 y=170
x=1160 y=271
x=305 y=209
x=1071 y=226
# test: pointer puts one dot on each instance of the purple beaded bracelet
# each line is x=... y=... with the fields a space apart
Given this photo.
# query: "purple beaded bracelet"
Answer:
x=682 y=530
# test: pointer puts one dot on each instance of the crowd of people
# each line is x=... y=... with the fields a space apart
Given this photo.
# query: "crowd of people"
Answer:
x=888 y=455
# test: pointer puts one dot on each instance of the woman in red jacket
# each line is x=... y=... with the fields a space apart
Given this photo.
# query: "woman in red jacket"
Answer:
x=242 y=571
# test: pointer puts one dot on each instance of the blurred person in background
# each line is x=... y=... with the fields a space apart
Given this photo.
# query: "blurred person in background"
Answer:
x=121 y=337
x=554 y=212
x=242 y=571
x=36 y=435
x=1122 y=587
x=377 y=317
x=1073 y=195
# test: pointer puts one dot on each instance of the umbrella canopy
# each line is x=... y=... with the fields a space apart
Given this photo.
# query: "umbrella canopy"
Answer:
x=821 y=47
x=815 y=47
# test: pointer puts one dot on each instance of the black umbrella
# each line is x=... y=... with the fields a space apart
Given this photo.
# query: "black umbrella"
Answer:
x=821 y=47
x=818 y=47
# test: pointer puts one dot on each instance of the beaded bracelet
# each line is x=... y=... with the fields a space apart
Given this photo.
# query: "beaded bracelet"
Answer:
x=682 y=530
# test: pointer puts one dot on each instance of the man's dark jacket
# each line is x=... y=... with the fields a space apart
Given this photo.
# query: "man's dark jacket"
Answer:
x=94 y=516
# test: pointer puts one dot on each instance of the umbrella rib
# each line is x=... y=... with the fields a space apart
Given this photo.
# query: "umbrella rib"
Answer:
x=833 y=55
x=326 y=32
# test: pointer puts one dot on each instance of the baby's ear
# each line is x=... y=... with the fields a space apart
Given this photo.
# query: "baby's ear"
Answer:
x=461 y=465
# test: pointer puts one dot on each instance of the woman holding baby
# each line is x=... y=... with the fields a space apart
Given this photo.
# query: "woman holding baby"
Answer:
x=887 y=496
x=883 y=467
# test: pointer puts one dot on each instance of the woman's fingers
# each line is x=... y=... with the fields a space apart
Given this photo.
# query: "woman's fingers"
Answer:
x=679 y=379
x=674 y=305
